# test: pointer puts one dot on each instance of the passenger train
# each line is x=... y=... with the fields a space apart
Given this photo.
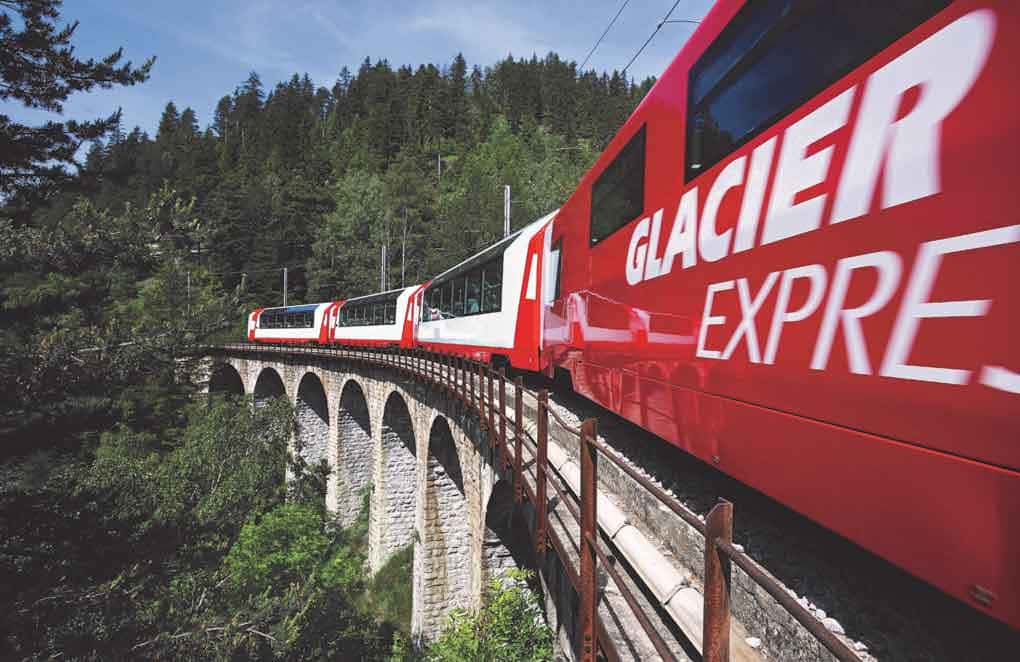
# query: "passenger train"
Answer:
x=798 y=260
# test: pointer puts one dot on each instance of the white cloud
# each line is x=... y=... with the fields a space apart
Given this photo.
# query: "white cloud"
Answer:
x=479 y=29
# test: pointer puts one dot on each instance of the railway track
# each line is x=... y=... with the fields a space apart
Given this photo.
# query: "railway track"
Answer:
x=880 y=611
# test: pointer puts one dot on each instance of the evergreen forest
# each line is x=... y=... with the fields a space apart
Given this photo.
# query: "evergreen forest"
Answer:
x=140 y=520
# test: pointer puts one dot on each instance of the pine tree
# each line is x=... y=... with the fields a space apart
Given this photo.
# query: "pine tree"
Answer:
x=38 y=68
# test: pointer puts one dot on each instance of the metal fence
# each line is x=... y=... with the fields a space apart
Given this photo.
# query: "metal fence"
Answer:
x=484 y=390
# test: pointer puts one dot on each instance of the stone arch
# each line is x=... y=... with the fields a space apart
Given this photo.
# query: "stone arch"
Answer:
x=268 y=385
x=446 y=567
x=395 y=497
x=353 y=457
x=311 y=417
x=224 y=379
x=508 y=541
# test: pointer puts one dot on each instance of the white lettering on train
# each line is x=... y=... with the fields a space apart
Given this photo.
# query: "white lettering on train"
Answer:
x=944 y=67
x=914 y=307
x=797 y=172
x=900 y=149
x=903 y=150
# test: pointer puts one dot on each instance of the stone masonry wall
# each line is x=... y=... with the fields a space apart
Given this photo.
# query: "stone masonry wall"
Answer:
x=395 y=496
x=312 y=417
x=354 y=454
x=447 y=570
x=430 y=467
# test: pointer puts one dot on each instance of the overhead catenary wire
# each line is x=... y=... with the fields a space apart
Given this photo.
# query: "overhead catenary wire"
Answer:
x=604 y=33
x=655 y=32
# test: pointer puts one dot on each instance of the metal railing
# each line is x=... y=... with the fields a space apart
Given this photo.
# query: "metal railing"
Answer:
x=458 y=376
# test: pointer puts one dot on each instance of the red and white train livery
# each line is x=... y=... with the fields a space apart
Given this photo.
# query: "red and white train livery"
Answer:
x=798 y=261
x=381 y=319
x=489 y=307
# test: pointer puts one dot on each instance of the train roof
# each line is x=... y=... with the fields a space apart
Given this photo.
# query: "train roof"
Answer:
x=487 y=253
x=379 y=296
x=304 y=308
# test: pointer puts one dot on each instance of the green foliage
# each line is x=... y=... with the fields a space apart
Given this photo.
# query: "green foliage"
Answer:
x=510 y=627
x=38 y=69
x=283 y=548
x=389 y=595
x=141 y=525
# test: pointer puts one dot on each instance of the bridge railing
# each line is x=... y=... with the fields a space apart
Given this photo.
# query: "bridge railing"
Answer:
x=480 y=387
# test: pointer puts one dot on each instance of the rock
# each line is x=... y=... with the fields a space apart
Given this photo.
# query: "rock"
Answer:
x=860 y=646
x=832 y=625
x=820 y=614
x=753 y=642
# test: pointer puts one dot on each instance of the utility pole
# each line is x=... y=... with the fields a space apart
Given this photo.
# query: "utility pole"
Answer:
x=403 y=249
x=382 y=270
x=506 y=210
x=439 y=167
x=285 y=287
x=189 y=295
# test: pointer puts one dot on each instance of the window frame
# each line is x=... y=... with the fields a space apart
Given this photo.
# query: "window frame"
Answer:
x=641 y=135
x=437 y=294
x=789 y=18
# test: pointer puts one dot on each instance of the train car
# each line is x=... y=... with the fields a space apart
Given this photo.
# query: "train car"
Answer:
x=489 y=307
x=798 y=260
x=381 y=319
x=308 y=324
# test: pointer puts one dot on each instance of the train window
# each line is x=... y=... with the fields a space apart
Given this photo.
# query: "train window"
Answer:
x=428 y=305
x=473 y=287
x=391 y=312
x=618 y=195
x=777 y=54
x=457 y=303
x=492 y=286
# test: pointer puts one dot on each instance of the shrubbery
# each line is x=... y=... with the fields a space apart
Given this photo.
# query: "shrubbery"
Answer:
x=510 y=627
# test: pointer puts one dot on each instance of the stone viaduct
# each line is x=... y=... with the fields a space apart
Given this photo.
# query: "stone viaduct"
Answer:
x=432 y=484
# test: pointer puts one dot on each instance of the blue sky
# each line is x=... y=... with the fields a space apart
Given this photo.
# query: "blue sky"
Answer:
x=205 y=49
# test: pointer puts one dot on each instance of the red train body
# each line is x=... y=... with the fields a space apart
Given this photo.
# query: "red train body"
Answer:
x=821 y=306
x=797 y=260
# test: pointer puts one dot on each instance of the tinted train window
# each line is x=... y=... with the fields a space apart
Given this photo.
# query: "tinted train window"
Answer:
x=492 y=286
x=618 y=195
x=777 y=54
x=473 y=292
x=473 y=304
x=457 y=303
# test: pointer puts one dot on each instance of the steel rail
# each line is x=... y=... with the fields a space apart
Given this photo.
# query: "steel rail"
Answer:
x=832 y=643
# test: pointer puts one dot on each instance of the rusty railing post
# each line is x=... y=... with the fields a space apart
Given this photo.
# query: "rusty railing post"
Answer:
x=501 y=448
x=492 y=407
x=589 y=536
x=482 y=420
x=716 y=629
x=518 y=439
x=469 y=375
x=461 y=381
x=541 y=466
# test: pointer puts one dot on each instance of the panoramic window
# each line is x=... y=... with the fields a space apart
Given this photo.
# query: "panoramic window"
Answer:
x=457 y=303
x=777 y=54
x=477 y=291
x=473 y=286
x=492 y=286
x=618 y=195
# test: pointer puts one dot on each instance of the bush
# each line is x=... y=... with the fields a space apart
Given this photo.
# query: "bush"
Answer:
x=286 y=547
x=510 y=627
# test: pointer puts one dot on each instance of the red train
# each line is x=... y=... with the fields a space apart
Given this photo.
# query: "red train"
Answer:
x=797 y=260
